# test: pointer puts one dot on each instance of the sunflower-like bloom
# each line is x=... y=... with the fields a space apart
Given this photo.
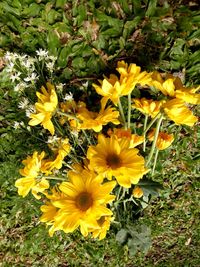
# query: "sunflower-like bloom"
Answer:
x=113 y=157
x=188 y=95
x=164 y=140
x=94 y=120
x=132 y=75
x=113 y=87
x=31 y=170
x=109 y=88
x=148 y=106
x=173 y=87
x=45 y=108
x=83 y=202
x=61 y=149
x=178 y=112
x=137 y=192
x=120 y=133
x=104 y=224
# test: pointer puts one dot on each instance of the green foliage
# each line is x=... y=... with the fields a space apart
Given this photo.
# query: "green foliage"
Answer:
x=148 y=33
x=136 y=238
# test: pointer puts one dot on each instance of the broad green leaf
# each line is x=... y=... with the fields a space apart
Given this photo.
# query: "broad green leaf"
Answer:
x=122 y=236
x=63 y=56
x=151 y=8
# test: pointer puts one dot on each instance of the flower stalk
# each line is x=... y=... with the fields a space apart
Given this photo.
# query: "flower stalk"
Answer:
x=155 y=140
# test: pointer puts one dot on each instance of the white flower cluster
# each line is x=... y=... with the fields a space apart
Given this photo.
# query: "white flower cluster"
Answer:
x=43 y=55
x=23 y=70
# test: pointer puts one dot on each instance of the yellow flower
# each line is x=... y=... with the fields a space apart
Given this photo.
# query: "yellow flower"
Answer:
x=31 y=170
x=113 y=157
x=110 y=89
x=188 y=95
x=49 y=210
x=132 y=75
x=164 y=140
x=45 y=108
x=94 y=120
x=173 y=87
x=178 y=112
x=113 y=88
x=148 y=106
x=83 y=203
x=135 y=139
x=61 y=149
x=137 y=192
x=104 y=224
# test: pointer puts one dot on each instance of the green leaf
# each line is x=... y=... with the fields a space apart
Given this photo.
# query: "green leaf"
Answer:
x=32 y=11
x=63 y=57
x=122 y=236
x=53 y=42
x=129 y=26
x=151 y=8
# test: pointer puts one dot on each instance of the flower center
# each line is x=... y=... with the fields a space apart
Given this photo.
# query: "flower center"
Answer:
x=113 y=161
x=84 y=201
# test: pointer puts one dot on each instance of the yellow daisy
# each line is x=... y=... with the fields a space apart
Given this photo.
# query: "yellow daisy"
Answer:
x=137 y=192
x=33 y=165
x=61 y=149
x=164 y=140
x=148 y=106
x=135 y=139
x=45 y=108
x=113 y=157
x=83 y=203
x=132 y=75
x=109 y=88
x=104 y=224
x=113 y=87
x=94 y=120
x=178 y=112
x=173 y=87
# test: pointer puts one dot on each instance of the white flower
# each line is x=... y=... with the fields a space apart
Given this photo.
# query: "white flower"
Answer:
x=69 y=97
x=15 y=76
x=18 y=125
x=24 y=103
x=11 y=56
x=59 y=87
x=20 y=87
x=10 y=67
x=42 y=53
x=75 y=133
x=53 y=139
x=31 y=78
x=30 y=110
x=29 y=63
x=50 y=66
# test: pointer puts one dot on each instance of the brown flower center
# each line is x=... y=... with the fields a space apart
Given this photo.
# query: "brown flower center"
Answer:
x=84 y=201
x=113 y=161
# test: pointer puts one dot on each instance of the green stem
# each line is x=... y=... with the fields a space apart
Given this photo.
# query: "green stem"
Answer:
x=86 y=136
x=67 y=115
x=152 y=122
x=122 y=113
x=155 y=161
x=54 y=178
x=129 y=111
x=144 y=133
x=154 y=140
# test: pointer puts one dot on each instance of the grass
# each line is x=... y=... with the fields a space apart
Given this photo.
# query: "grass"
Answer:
x=155 y=34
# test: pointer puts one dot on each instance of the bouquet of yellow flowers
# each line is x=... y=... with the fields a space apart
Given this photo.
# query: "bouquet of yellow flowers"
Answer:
x=100 y=145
